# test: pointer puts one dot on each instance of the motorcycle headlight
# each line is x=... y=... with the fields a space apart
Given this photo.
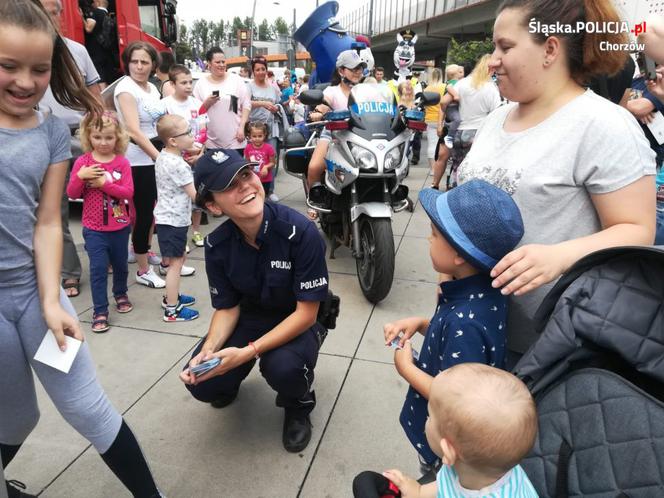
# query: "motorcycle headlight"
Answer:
x=393 y=157
x=364 y=158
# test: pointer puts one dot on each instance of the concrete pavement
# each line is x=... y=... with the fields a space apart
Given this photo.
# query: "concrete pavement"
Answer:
x=196 y=450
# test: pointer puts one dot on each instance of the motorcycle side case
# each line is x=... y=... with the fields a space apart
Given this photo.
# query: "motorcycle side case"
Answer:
x=296 y=161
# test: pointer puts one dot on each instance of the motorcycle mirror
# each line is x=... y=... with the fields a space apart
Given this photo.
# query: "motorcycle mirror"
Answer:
x=311 y=97
x=430 y=98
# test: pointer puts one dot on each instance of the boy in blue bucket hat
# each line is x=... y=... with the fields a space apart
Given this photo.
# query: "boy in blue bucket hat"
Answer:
x=472 y=227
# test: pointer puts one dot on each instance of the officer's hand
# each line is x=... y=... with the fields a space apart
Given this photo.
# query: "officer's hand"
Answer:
x=409 y=326
x=185 y=375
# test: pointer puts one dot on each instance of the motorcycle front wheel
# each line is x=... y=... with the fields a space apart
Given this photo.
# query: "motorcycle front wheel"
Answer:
x=375 y=268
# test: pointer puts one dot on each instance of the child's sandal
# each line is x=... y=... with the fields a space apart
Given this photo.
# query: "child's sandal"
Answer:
x=123 y=305
x=100 y=322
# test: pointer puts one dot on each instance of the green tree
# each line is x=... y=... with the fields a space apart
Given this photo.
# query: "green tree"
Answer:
x=199 y=39
x=469 y=51
x=265 y=31
x=280 y=26
x=182 y=48
x=217 y=33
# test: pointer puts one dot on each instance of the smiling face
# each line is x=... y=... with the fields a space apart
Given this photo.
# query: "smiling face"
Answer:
x=517 y=60
x=354 y=75
x=243 y=200
x=25 y=71
x=218 y=65
x=257 y=137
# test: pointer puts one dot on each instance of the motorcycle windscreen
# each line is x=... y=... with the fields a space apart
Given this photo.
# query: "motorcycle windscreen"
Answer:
x=374 y=114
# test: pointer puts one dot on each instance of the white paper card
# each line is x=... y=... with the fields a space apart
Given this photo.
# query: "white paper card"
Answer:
x=49 y=353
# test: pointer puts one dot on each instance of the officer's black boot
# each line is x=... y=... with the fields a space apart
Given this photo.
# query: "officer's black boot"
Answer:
x=297 y=431
x=223 y=400
x=15 y=490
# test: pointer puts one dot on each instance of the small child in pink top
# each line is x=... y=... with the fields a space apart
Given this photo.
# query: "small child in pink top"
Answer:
x=261 y=153
x=102 y=178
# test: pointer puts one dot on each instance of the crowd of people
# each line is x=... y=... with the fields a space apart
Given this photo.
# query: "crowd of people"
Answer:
x=544 y=166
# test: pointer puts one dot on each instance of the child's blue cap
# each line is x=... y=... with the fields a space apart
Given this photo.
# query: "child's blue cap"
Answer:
x=480 y=221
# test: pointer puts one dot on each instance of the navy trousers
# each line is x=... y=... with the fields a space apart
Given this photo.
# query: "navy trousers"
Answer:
x=288 y=369
x=106 y=248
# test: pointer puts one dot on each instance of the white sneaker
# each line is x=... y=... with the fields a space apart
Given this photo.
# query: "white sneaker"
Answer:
x=131 y=257
x=185 y=271
x=150 y=279
x=186 y=249
x=273 y=197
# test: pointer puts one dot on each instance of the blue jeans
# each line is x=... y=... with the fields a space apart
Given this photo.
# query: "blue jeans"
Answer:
x=659 y=233
x=104 y=248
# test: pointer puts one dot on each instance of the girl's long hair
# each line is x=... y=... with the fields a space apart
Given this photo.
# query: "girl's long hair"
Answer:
x=480 y=74
x=66 y=82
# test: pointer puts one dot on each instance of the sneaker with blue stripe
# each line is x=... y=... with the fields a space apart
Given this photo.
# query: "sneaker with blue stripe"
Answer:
x=183 y=300
x=180 y=314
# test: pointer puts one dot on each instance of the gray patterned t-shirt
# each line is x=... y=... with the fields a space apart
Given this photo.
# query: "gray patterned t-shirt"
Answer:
x=172 y=173
x=589 y=146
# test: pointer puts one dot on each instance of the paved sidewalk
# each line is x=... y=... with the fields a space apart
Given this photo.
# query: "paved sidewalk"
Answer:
x=196 y=450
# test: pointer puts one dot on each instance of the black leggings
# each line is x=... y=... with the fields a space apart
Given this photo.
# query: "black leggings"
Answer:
x=145 y=197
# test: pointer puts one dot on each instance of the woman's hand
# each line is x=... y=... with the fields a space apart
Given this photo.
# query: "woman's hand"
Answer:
x=206 y=353
x=87 y=173
x=270 y=106
x=210 y=101
x=61 y=324
x=409 y=326
x=657 y=87
x=239 y=136
x=529 y=267
x=408 y=486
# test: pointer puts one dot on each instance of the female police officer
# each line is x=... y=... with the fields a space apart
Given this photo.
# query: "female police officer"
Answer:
x=267 y=275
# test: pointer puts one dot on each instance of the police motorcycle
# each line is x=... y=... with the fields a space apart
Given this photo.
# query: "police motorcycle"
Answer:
x=366 y=163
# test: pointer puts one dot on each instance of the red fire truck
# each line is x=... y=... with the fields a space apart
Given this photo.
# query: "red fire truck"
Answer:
x=152 y=21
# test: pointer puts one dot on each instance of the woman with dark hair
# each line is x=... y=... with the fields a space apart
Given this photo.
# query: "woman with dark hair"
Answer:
x=137 y=102
x=264 y=100
x=577 y=165
x=166 y=61
x=226 y=98
x=35 y=159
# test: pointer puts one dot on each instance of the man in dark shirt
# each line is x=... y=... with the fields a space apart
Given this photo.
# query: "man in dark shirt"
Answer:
x=615 y=88
x=105 y=58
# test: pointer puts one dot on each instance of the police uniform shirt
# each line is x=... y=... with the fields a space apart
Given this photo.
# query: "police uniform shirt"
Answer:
x=289 y=265
x=468 y=326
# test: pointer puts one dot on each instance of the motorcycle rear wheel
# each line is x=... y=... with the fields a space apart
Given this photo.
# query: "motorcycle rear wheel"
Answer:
x=375 y=269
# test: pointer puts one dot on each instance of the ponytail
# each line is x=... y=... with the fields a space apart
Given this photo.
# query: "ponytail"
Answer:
x=596 y=61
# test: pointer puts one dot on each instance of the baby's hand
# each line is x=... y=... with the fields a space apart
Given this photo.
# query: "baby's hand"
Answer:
x=264 y=172
x=87 y=173
x=409 y=326
x=408 y=486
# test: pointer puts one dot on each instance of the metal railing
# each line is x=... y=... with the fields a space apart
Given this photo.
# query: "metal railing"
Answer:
x=391 y=15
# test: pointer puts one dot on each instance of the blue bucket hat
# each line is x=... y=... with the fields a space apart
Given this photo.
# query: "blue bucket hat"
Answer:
x=480 y=221
x=216 y=169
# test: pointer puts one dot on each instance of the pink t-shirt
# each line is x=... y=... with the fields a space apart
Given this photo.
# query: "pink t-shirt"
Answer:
x=334 y=95
x=262 y=155
x=104 y=208
x=223 y=122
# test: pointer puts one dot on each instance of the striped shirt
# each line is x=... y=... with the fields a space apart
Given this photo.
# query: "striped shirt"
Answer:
x=514 y=484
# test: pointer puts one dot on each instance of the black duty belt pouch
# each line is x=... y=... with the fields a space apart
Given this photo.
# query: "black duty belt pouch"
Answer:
x=329 y=311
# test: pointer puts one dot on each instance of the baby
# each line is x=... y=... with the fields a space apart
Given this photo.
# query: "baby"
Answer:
x=482 y=422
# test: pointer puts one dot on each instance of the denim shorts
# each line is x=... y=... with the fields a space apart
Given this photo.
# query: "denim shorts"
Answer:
x=172 y=240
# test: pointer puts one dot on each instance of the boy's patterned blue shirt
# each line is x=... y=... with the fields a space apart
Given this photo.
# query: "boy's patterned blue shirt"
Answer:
x=468 y=326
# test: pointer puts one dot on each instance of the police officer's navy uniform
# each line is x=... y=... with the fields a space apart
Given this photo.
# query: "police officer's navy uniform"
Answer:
x=266 y=283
